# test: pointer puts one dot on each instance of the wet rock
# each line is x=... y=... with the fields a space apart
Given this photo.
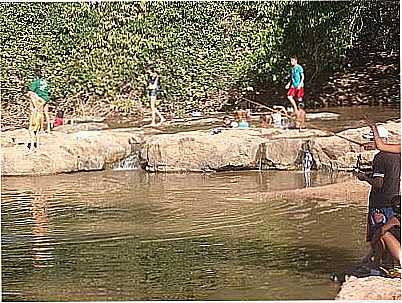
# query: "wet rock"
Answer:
x=88 y=119
x=202 y=151
x=370 y=288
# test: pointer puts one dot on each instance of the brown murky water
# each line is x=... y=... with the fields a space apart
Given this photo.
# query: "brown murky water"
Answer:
x=129 y=235
x=349 y=117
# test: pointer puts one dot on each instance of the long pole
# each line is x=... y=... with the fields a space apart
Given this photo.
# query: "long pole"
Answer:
x=317 y=128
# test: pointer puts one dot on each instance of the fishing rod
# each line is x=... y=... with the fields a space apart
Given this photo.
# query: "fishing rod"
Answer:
x=267 y=107
x=293 y=118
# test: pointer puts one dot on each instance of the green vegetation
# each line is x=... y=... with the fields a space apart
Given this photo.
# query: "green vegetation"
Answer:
x=205 y=51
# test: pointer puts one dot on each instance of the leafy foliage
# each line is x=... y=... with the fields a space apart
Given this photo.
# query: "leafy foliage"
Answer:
x=203 y=50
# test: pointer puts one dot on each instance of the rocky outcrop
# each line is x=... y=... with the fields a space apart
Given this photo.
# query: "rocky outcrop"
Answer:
x=62 y=152
x=90 y=147
x=370 y=288
x=254 y=149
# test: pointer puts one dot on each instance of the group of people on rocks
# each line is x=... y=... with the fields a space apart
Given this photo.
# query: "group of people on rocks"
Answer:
x=285 y=118
x=39 y=104
x=241 y=120
x=383 y=219
x=295 y=116
x=281 y=117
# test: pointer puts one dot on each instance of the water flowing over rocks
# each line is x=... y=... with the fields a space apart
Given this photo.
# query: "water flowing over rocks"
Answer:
x=91 y=147
x=63 y=152
x=370 y=288
x=255 y=149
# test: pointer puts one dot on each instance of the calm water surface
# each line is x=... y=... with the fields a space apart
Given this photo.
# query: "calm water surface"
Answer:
x=129 y=235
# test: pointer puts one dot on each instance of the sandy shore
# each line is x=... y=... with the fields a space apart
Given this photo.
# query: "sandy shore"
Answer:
x=352 y=190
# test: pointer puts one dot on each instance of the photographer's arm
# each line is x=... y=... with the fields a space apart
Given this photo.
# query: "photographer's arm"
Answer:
x=390 y=148
x=375 y=182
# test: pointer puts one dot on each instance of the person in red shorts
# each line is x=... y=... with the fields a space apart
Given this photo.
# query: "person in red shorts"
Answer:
x=296 y=84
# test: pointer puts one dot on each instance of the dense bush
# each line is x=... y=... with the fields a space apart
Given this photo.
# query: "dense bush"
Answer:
x=203 y=50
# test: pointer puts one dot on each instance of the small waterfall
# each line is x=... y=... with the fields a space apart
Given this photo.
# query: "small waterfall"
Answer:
x=131 y=162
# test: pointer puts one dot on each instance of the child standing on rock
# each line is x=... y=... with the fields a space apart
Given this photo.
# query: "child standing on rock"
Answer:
x=153 y=90
x=38 y=95
x=296 y=84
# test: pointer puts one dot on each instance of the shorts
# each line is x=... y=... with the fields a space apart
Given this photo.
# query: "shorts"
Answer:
x=376 y=218
x=296 y=93
x=35 y=122
x=153 y=93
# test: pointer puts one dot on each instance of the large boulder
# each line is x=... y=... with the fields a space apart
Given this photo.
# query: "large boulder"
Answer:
x=201 y=151
x=60 y=152
x=228 y=149
x=256 y=149
x=370 y=288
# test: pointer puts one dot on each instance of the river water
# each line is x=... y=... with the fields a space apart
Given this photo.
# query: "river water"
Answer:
x=131 y=235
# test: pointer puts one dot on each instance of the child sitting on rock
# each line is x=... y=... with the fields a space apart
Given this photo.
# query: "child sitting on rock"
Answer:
x=300 y=117
x=228 y=123
x=59 y=120
x=265 y=121
x=242 y=119
x=386 y=233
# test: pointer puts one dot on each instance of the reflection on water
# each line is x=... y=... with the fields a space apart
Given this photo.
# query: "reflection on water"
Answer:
x=307 y=178
x=42 y=253
x=129 y=235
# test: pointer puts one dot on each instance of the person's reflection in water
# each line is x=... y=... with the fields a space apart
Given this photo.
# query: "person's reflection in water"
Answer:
x=307 y=164
x=307 y=179
x=42 y=253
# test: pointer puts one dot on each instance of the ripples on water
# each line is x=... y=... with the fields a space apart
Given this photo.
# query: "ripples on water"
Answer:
x=129 y=235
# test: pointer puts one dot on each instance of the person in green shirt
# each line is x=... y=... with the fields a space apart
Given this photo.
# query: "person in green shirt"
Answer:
x=38 y=95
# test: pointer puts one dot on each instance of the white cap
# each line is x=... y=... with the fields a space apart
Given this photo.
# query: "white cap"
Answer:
x=382 y=131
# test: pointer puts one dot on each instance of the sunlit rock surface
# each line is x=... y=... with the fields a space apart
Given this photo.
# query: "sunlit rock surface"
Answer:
x=370 y=288
x=88 y=148
x=255 y=149
x=61 y=152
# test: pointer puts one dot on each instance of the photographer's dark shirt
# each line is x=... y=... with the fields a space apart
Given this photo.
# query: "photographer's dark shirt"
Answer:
x=388 y=167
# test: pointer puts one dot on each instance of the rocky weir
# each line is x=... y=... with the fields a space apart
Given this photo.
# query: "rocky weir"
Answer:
x=94 y=147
